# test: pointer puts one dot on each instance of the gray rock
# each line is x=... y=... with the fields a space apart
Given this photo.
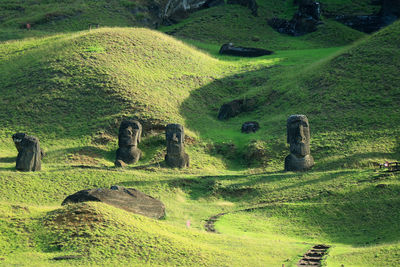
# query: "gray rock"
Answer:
x=128 y=199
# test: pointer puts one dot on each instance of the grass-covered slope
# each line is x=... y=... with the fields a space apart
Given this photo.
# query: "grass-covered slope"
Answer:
x=49 y=17
x=70 y=85
x=351 y=97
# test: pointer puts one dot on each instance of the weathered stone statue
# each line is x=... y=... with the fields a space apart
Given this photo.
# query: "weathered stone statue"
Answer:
x=129 y=137
x=298 y=136
x=176 y=156
x=29 y=152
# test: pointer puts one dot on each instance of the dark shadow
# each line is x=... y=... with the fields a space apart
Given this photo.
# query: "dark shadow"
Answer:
x=8 y=159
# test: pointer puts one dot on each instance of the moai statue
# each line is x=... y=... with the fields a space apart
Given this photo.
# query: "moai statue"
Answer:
x=176 y=156
x=129 y=137
x=298 y=136
x=29 y=152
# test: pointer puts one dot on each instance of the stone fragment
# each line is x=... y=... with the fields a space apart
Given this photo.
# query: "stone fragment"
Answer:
x=29 y=152
x=298 y=137
x=176 y=156
x=230 y=49
x=250 y=127
x=128 y=199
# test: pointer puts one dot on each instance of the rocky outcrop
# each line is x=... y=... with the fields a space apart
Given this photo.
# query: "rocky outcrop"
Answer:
x=176 y=10
x=305 y=20
x=250 y=4
x=230 y=49
x=365 y=23
x=390 y=11
x=128 y=199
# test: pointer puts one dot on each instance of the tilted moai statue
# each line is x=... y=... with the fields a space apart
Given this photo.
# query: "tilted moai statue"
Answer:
x=176 y=156
x=129 y=137
x=298 y=136
x=29 y=152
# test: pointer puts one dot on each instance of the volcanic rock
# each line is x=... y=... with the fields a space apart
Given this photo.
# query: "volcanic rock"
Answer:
x=128 y=199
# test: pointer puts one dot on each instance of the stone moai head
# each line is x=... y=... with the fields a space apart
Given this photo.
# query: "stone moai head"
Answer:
x=130 y=132
x=176 y=156
x=17 y=138
x=298 y=135
x=129 y=137
x=29 y=152
x=175 y=137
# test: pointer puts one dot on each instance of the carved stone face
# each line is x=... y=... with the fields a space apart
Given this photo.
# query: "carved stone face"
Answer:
x=129 y=133
x=17 y=138
x=298 y=135
x=175 y=138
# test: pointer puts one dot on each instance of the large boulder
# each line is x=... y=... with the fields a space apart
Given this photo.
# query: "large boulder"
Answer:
x=29 y=152
x=250 y=4
x=176 y=10
x=128 y=199
x=230 y=49
x=363 y=23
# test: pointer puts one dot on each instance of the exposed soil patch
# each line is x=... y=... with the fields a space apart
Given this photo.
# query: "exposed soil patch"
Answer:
x=210 y=223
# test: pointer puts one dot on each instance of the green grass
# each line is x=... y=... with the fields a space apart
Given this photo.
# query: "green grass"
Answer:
x=71 y=88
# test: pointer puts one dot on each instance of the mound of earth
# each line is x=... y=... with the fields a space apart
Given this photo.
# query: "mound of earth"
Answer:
x=128 y=199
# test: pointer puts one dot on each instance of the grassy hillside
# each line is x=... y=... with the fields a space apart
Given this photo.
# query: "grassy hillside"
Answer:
x=72 y=90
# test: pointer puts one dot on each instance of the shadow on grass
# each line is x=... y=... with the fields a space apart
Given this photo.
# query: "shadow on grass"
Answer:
x=256 y=188
x=8 y=159
x=356 y=161
x=359 y=218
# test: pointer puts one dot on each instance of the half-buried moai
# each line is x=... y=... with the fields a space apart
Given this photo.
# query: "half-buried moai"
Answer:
x=129 y=137
x=298 y=136
x=29 y=152
x=176 y=156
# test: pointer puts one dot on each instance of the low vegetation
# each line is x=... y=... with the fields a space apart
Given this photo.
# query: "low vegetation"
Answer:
x=71 y=86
